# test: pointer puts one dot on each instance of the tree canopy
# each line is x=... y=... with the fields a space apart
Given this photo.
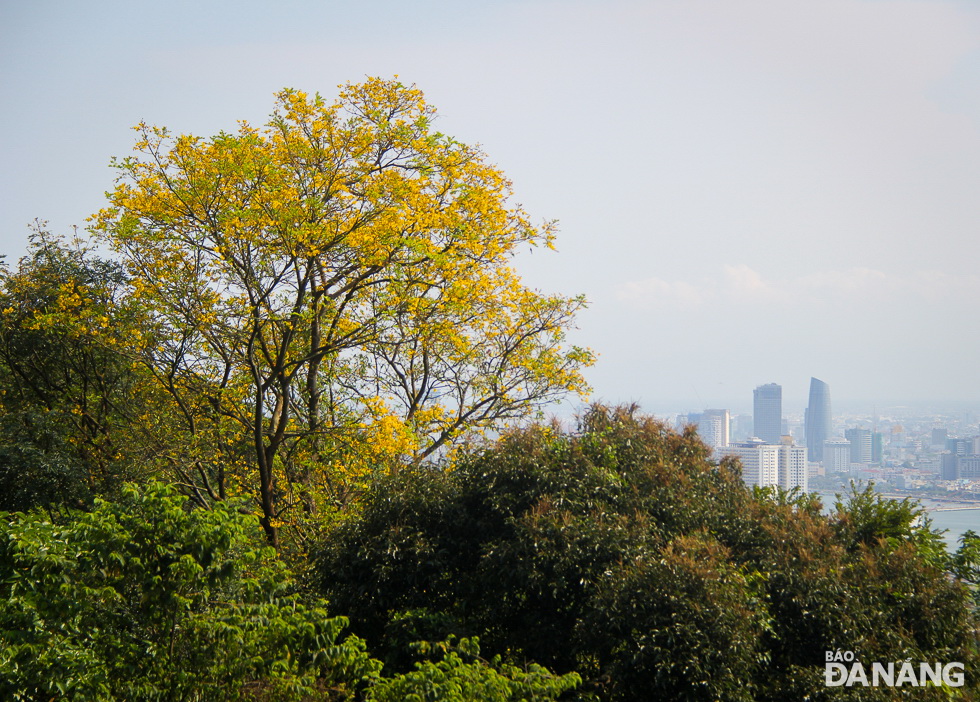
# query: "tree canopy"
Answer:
x=334 y=290
x=143 y=599
x=620 y=551
x=72 y=404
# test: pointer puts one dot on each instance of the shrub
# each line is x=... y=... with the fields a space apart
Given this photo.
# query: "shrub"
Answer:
x=146 y=599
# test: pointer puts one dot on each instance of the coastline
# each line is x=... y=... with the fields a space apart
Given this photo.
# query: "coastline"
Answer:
x=954 y=516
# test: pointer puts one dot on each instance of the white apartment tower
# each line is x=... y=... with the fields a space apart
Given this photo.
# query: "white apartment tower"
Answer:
x=765 y=464
x=793 y=469
x=837 y=455
x=760 y=461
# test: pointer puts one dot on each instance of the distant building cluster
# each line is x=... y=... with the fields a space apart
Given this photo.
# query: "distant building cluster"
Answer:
x=902 y=451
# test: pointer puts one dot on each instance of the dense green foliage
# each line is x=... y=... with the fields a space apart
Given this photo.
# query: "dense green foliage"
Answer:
x=145 y=599
x=453 y=679
x=621 y=552
x=966 y=562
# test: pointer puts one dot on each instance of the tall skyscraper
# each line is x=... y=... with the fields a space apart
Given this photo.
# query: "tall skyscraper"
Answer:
x=818 y=421
x=767 y=413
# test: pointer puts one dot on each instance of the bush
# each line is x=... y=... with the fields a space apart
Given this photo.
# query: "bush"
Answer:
x=462 y=676
x=146 y=599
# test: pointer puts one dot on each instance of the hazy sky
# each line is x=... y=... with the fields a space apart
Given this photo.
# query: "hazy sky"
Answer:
x=748 y=191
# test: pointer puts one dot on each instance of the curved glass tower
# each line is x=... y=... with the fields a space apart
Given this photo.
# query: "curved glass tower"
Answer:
x=818 y=422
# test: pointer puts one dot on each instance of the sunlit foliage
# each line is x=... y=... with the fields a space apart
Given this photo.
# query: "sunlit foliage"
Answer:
x=335 y=288
x=143 y=599
x=460 y=675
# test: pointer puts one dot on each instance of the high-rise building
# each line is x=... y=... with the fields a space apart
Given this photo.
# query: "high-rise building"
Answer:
x=947 y=466
x=968 y=467
x=860 y=444
x=837 y=455
x=767 y=412
x=818 y=419
x=877 y=447
x=760 y=461
x=765 y=464
x=961 y=447
x=794 y=472
x=713 y=426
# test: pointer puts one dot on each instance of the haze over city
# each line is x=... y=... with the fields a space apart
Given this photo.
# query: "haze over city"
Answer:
x=747 y=192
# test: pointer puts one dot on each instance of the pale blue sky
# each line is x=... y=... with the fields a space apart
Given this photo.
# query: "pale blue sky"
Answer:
x=749 y=191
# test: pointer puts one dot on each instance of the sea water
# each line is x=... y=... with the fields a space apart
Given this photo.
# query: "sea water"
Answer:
x=954 y=521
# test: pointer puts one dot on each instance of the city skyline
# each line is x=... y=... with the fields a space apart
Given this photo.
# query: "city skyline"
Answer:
x=794 y=406
x=863 y=430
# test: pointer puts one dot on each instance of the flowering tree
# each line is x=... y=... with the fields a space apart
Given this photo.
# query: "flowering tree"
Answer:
x=332 y=292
